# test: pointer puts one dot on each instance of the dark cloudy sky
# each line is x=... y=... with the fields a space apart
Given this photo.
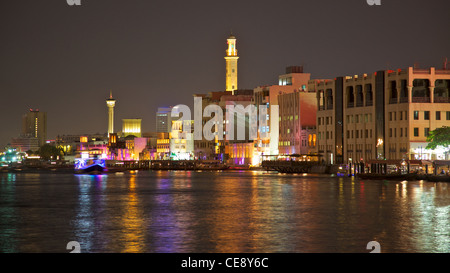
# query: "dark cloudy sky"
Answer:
x=64 y=59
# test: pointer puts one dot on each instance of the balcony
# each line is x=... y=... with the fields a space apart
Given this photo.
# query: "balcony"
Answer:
x=403 y=100
x=421 y=99
x=393 y=100
x=359 y=104
x=441 y=100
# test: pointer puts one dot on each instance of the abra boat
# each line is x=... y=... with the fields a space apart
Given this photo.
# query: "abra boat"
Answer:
x=90 y=165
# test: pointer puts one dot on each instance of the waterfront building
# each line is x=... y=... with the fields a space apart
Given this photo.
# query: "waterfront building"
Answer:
x=181 y=143
x=149 y=152
x=223 y=149
x=297 y=123
x=110 y=103
x=329 y=119
x=163 y=146
x=386 y=115
x=34 y=124
x=90 y=149
x=290 y=128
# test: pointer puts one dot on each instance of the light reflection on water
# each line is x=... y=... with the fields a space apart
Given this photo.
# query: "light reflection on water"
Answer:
x=220 y=212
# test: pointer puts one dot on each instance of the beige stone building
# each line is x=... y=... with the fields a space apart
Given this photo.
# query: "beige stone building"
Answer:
x=383 y=115
x=290 y=130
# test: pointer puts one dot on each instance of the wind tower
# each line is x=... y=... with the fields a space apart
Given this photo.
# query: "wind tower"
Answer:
x=231 y=60
x=110 y=102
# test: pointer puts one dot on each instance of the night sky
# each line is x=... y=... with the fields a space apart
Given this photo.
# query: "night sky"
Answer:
x=65 y=59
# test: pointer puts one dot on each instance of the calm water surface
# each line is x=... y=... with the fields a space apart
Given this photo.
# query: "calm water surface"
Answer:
x=220 y=212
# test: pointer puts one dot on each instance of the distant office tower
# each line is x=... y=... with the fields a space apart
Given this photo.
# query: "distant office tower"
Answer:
x=110 y=103
x=231 y=60
x=164 y=120
x=131 y=127
x=34 y=124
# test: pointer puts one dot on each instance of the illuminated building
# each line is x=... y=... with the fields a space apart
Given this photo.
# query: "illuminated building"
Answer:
x=221 y=149
x=131 y=127
x=149 y=152
x=181 y=141
x=91 y=149
x=238 y=152
x=163 y=146
x=283 y=137
x=231 y=60
x=384 y=115
x=329 y=119
x=110 y=103
x=34 y=124
x=11 y=155
x=297 y=123
x=163 y=120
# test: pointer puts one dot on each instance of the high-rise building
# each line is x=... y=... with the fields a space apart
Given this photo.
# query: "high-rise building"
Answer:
x=231 y=60
x=164 y=120
x=34 y=124
x=110 y=103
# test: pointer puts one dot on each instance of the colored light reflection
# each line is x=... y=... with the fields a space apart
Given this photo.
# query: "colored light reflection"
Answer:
x=133 y=229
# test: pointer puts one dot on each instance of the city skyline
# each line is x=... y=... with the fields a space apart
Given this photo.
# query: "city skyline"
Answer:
x=65 y=60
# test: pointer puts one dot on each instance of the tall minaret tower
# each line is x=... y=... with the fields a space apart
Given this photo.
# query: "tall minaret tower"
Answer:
x=110 y=103
x=231 y=60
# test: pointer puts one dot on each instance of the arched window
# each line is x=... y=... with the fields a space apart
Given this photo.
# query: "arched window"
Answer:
x=393 y=96
x=369 y=95
x=321 y=99
x=421 y=90
x=403 y=91
x=441 y=91
x=359 y=96
x=350 y=97
x=329 y=96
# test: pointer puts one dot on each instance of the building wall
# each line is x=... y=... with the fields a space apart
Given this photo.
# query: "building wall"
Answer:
x=131 y=127
x=24 y=144
x=293 y=82
x=297 y=123
x=359 y=118
x=34 y=123
x=385 y=115
x=404 y=103
x=163 y=120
